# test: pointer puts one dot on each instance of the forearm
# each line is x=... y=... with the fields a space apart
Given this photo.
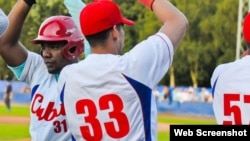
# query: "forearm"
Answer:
x=13 y=52
x=174 y=21
x=16 y=20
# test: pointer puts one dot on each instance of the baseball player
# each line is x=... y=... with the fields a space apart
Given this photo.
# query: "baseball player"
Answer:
x=8 y=94
x=61 y=43
x=231 y=91
x=108 y=96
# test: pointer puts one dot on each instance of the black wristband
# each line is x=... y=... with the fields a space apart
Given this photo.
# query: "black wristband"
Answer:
x=30 y=2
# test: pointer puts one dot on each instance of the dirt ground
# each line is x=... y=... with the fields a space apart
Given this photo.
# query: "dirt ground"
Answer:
x=14 y=120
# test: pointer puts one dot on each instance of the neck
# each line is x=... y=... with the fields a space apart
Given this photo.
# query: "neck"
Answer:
x=104 y=50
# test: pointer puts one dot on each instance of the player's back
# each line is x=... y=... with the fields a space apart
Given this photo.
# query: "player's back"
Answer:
x=109 y=104
x=231 y=102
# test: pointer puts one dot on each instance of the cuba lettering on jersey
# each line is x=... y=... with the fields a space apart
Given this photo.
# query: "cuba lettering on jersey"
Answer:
x=47 y=119
x=48 y=113
x=231 y=91
x=116 y=102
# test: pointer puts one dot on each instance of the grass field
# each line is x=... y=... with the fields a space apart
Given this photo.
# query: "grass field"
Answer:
x=12 y=132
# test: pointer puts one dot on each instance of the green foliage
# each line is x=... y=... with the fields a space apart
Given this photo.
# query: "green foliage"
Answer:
x=209 y=41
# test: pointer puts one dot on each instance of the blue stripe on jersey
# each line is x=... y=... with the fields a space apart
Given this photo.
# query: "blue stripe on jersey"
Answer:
x=61 y=98
x=72 y=138
x=144 y=94
x=62 y=94
x=34 y=90
x=213 y=88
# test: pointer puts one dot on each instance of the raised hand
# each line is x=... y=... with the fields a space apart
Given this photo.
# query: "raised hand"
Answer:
x=147 y=3
x=30 y=2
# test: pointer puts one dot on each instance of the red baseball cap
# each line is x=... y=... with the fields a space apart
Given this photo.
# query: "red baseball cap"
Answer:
x=246 y=28
x=100 y=15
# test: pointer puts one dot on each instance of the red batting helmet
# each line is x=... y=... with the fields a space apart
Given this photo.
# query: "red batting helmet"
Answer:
x=62 y=28
x=246 y=28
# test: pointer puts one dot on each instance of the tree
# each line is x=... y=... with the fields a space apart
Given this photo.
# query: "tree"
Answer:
x=212 y=30
x=209 y=41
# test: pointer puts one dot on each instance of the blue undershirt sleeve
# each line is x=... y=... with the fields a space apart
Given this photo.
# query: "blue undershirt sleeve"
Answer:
x=18 y=71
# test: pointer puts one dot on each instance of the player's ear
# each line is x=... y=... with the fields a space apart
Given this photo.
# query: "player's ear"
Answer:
x=115 y=31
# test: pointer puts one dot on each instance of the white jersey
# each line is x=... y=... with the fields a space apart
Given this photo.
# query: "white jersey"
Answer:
x=109 y=97
x=47 y=114
x=231 y=92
